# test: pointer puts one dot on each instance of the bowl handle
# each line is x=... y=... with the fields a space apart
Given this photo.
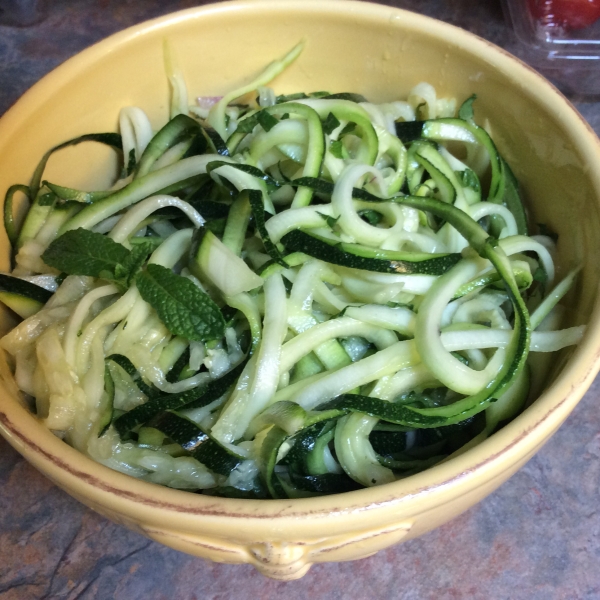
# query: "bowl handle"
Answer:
x=284 y=560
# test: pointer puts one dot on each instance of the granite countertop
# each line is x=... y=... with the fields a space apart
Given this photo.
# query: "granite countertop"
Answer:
x=537 y=537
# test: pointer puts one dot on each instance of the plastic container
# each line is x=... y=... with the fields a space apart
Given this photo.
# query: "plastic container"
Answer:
x=561 y=38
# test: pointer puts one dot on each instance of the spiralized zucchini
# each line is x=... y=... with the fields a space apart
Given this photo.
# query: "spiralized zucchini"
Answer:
x=283 y=296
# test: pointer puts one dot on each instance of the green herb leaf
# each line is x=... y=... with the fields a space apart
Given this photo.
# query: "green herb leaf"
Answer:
x=138 y=255
x=465 y=112
x=330 y=123
x=258 y=213
x=83 y=252
x=349 y=128
x=370 y=216
x=540 y=276
x=290 y=97
x=46 y=199
x=336 y=148
x=428 y=398
x=349 y=97
x=217 y=226
x=401 y=305
x=181 y=305
x=248 y=124
x=131 y=162
x=331 y=221
x=153 y=242
x=469 y=179
x=266 y=120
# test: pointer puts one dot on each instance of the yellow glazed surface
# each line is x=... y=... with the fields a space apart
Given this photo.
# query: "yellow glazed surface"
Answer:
x=351 y=46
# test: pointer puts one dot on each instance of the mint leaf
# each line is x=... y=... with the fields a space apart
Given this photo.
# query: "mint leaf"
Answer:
x=330 y=123
x=290 y=97
x=247 y=124
x=540 y=276
x=401 y=305
x=266 y=120
x=47 y=199
x=331 y=221
x=181 y=305
x=370 y=216
x=83 y=252
x=152 y=242
x=469 y=179
x=130 y=163
x=350 y=127
x=138 y=255
x=465 y=112
x=336 y=148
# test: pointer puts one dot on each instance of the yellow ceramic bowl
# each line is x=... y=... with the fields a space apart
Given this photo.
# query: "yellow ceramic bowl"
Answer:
x=351 y=46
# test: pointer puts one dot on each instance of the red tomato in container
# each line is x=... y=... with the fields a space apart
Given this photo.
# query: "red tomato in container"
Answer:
x=567 y=14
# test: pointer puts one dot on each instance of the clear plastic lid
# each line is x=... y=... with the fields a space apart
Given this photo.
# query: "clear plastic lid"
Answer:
x=561 y=38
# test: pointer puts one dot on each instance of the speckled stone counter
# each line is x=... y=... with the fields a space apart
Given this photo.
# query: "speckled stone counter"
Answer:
x=537 y=537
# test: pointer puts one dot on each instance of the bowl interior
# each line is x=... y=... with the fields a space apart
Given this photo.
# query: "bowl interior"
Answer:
x=373 y=50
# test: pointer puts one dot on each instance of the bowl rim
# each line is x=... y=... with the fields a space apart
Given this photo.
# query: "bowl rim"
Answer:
x=520 y=438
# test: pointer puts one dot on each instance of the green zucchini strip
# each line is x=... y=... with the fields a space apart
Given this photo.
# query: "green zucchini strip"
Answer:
x=237 y=224
x=503 y=186
x=200 y=444
x=137 y=190
x=21 y=287
x=356 y=256
x=9 y=220
x=488 y=248
x=258 y=213
x=178 y=129
x=553 y=298
x=346 y=110
x=316 y=144
x=38 y=211
x=194 y=398
x=216 y=117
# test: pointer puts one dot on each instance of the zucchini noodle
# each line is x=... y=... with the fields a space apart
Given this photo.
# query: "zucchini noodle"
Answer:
x=284 y=296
